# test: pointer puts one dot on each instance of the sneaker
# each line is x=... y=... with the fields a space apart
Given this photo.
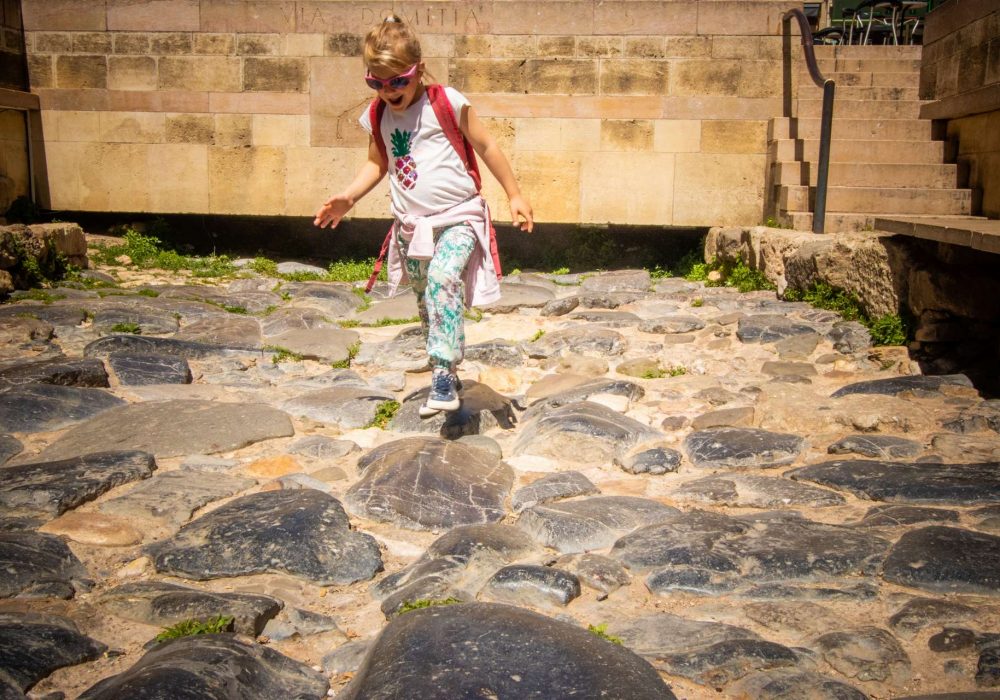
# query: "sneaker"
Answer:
x=443 y=395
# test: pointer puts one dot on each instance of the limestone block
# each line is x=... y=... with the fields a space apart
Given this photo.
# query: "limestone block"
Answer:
x=131 y=43
x=40 y=72
x=63 y=15
x=487 y=75
x=600 y=46
x=677 y=136
x=242 y=180
x=542 y=134
x=132 y=73
x=630 y=187
x=718 y=189
x=131 y=127
x=202 y=73
x=624 y=17
x=81 y=72
x=154 y=15
x=727 y=136
x=687 y=46
x=761 y=79
x=258 y=44
x=473 y=46
x=552 y=181
x=189 y=128
x=705 y=77
x=279 y=130
x=740 y=17
x=564 y=77
x=258 y=103
x=550 y=46
x=213 y=44
x=248 y=16
x=502 y=131
x=64 y=159
x=171 y=44
x=626 y=135
x=91 y=42
x=634 y=77
x=303 y=45
x=645 y=46
x=540 y=17
x=432 y=45
x=513 y=46
x=178 y=178
x=51 y=42
x=108 y=176
x=735 y=47
x=276 y=75
x=233 y=130
x=314 y=174
x=77 y=126
x=344 y=45
x=335 y=104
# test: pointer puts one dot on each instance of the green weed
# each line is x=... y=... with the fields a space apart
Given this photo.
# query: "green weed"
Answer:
x=891 y=329
x=538 y=334
x=422 y=603
x=282 y=354
x=601 y=631
x=187 y=628
x=697 y=302
x=383 y=414
x=133 y=328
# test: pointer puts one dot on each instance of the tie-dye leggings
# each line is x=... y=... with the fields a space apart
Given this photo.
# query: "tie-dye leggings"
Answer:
x=441 y=293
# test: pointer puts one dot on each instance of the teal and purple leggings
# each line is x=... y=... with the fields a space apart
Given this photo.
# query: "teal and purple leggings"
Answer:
x=441 y=293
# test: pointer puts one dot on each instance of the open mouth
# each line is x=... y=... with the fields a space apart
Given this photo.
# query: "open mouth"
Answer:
x=395 y=101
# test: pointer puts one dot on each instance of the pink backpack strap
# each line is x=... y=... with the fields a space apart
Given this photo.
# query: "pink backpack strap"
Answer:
x=381 y=259
x=449 y=122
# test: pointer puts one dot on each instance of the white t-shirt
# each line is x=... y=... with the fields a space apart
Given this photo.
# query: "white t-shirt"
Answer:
x=426 y=174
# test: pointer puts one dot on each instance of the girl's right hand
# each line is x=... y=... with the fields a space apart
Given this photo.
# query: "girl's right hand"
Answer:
x=333 y=210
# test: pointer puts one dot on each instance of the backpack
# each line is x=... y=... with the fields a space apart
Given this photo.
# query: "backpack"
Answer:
x=449 y=123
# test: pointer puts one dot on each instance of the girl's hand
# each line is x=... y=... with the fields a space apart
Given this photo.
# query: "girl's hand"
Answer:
x=332 y=211
x=520 y=208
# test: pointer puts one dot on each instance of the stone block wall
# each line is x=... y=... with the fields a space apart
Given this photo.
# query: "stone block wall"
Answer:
x=623 y=111
x=960 y=71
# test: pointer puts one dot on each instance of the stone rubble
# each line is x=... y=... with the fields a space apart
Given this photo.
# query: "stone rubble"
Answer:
x=653 y=489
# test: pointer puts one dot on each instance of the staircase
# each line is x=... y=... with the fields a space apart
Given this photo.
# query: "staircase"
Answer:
x=884 y=159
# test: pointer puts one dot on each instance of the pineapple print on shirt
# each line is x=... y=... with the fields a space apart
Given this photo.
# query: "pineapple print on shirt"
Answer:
x=406 y=167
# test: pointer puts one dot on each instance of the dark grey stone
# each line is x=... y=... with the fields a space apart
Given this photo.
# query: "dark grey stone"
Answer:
x=164 y=604
x=752 y=490
x=856 y=593
x=590 y=523
x=209 y=667
x=868 y=654
x=742 y=448
x=657 y=460
x=80 y=372
x=127 y=343
x=173 y=428
x=150 y=320
x=35 y=565
x=345 y=406
x=849 y=337
x=560 y=307
x=227 y=330
x=552 y=487
x=529 y=584
x=48 y=489
x=174 y=496
x=607 y=319
x=296 y=622
x=892 y=516
x=302 y=532
x=515 y=295
x=583 y=340
x=35 y=408
x=34 y=645
x=893 y=386
x=140 y=369
x=767 y=328
x=877 y=446
x=10 y=447
x=948 y=484
x=335 y=298
x=482 y=409
x=618 y=281
x=672 y=324
x=603 y=574
x=457 y=651
x=58 y=314
x=581 y=392
x=978 y=418
x=428 y=483
x=346 y=658
x=952 y=639
x=496 y=353
x=724 y=662
x=946 y=560
x=921 y=612
x=792 y=684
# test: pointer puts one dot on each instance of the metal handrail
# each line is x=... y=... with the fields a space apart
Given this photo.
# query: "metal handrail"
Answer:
x=826 y=123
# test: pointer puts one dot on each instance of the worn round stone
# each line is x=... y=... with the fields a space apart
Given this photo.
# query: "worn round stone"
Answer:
x=429 y=483
x=301 y=532
x=457 y=651
x=328 y=345
x=656 y=461
x=754 y=491
x=918 y=613
x=672 y=324
x=33 y=645
x=483 y=408
x=893 y=516
x=212 y=666
x=496 y=353
x=742 y=448
x=37 y=565
x=552 y=487
x=81 y=372
x=560 y=307
x=618 y=281
x=322 y=447
x=893 y=386
x=877 y=446
x=127 y=342
x=585 y=340
x=174 y=496
x=140 y=369
x=34 y=408
x=868 y=654
x=344 y=406
x=149 y=319
x=603 y=574
x=793 y=684
x=530 y=584
x=768 y=328
x=946 y=560
x=94 y=529
x=574 y=388
x=10 y=447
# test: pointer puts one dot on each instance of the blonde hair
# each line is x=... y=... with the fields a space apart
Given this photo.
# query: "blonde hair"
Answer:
x=391 y=45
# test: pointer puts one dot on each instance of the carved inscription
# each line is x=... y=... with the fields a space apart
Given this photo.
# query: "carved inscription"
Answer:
x=465 y=18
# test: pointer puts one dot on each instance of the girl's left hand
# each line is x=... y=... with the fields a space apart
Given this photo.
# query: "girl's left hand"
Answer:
x=521 y=209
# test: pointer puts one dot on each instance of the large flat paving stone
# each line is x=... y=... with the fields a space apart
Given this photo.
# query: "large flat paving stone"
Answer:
x=893 y=386
x=742 y=448
x=191 y=350
x=906 y=482
x=330 y=345
x=946 y=560
x=174 y=496
x=48 y=489
x=209 y=667
x=489 y=650
x=769 y=328
x=33 y=645
x=35 y=408
x=303 y=532
x=754 y=491
x=344 y=406
x=82 y=372
x=428 y=483
x=141 y=369
x=590 y=339
x=172 y=428
x=37 y=565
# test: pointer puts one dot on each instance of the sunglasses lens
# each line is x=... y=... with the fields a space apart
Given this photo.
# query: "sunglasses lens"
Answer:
x=399 y=82
x=373 y=83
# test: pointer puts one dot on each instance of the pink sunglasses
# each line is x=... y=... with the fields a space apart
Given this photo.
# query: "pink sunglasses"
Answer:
x=396 y=82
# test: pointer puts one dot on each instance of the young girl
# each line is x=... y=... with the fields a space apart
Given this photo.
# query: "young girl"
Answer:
x=440 y=240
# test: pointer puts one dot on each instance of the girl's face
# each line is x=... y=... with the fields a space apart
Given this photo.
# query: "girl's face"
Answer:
x=387 y=83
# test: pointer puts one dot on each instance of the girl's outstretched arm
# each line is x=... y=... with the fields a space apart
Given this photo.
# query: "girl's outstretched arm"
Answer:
x=487 y=149
x=334 y=209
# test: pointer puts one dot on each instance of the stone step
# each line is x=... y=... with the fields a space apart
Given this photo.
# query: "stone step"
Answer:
x=871 y=65
x=882 y=52
x=858 y=151
x=856 y=129
x=861 y=109
x=909 y=93
x=894 y=175
x=864 y=79
x=879 y=200
x=836 y=221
